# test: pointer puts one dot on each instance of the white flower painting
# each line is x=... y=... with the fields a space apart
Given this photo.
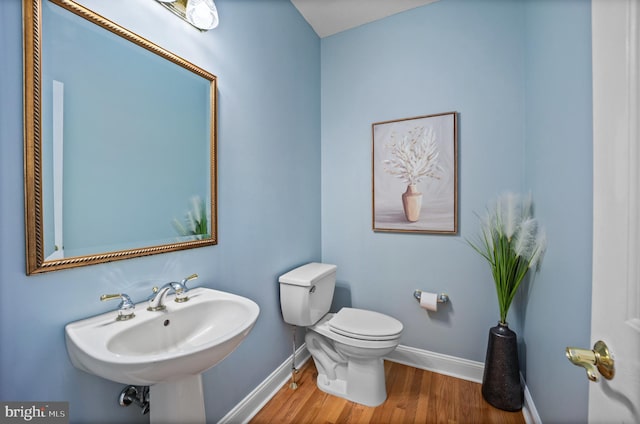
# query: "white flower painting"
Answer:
x=415 y=174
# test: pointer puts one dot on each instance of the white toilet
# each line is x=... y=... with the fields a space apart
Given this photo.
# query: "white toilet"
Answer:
x=348 y=346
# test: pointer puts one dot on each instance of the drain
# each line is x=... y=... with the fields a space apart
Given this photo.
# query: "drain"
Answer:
x=137 y=395
x=166 y=322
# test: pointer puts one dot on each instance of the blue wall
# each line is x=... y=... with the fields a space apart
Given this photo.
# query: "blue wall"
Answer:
x=295 y=185
x=519 y=75
x=559 y=172
x=464 y=56
x=267 y=60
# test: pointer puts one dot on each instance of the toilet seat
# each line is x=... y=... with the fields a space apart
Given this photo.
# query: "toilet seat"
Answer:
x=365 y=325
x=323 y=327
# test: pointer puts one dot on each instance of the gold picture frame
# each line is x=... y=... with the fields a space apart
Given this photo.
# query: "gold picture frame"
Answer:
x=415 y=174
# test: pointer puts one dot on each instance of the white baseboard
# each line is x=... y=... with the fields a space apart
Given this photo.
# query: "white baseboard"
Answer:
x=254 y=401
x=529 y=411
x=418 y=358
x=437 y=362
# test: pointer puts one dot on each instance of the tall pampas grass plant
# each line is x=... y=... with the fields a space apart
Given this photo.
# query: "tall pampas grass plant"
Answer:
x=512 y=242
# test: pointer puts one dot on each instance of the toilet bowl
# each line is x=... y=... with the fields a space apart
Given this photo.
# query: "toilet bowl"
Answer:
x=356 y=373
x=347 y=347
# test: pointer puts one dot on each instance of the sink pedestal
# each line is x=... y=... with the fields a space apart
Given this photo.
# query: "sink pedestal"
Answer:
x=180 y=401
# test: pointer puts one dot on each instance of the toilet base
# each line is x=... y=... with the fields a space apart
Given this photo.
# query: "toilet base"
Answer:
x=364 y=384
x=335 y=387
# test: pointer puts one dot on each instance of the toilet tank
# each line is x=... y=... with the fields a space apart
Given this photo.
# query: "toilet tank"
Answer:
x=306 y=293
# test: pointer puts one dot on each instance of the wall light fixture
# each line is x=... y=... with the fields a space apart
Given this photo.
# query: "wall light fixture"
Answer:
x=202 y=14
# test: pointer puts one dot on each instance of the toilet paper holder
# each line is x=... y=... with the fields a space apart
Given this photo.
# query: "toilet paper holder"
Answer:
x=442 y=297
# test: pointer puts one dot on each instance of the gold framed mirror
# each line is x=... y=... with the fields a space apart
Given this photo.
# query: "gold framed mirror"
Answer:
x=120 y=142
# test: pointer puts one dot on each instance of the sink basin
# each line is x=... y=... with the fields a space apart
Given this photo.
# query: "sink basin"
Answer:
x=162 y=346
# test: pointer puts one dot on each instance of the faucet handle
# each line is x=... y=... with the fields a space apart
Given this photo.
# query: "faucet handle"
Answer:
x=189 y=278
x=126 y=307
x=181 y=293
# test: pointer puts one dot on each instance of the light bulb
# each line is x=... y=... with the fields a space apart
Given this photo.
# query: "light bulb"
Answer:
x=202 y=14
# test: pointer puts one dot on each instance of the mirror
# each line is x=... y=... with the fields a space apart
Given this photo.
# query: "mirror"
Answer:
x=120 y=142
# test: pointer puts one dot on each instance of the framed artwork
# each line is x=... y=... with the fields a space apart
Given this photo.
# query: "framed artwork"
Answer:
x=415 y=174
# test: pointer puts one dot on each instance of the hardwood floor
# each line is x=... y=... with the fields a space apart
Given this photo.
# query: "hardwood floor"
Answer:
x=414 y=396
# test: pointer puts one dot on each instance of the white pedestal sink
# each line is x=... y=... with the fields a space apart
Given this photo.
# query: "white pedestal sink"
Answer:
x=167 y=350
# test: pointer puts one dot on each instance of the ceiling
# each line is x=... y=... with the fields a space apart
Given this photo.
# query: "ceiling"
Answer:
x=328 y=17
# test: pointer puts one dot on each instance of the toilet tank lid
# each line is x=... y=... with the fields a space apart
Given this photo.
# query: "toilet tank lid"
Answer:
x=308 y=274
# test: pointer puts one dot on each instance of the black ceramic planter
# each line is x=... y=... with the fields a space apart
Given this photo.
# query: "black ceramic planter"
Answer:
x=501 y=381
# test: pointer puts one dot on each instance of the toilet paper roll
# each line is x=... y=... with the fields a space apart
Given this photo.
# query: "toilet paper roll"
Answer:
x=429 y=301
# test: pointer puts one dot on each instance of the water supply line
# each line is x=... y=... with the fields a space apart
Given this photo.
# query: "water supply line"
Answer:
x=293 y=385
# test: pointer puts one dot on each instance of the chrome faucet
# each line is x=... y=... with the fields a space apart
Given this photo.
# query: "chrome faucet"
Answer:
x=156 y=301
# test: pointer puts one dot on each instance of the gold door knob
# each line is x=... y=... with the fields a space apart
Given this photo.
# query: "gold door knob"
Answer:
x=599 y=358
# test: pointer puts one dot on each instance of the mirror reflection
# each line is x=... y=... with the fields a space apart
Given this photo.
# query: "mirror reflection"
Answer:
x=120 y=142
